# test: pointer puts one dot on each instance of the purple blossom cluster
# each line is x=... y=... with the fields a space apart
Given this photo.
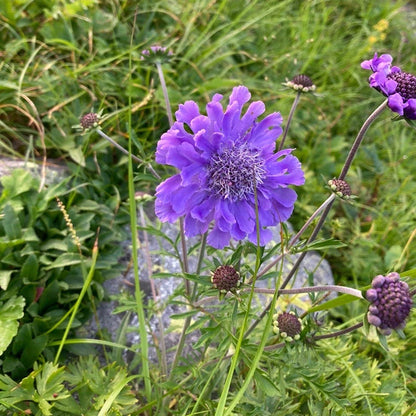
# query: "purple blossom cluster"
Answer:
x=228 y=169
x=399 y=87
x=390 y=303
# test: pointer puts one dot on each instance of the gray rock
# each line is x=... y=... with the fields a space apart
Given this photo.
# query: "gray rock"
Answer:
x=163 y=289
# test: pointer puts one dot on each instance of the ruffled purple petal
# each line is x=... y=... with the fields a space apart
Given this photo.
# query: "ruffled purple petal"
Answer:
x=187 y=112
x=266 y=132
x=194 y=227
x=218 y=239
x=410 y=110
x=396 y=104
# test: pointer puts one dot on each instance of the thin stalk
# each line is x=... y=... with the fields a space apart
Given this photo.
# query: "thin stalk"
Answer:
x=296 y=237
x=324 y=288
x=144 y=346
x=360 y=137
x=289 y=119
x=165 y=92
x=162 y=346
x=187 y=322
x=123 y=150
x=319 y=337
x=354 y=148
x=84 y=289
x=185 y=264
x=338 y=333
x=224 y=394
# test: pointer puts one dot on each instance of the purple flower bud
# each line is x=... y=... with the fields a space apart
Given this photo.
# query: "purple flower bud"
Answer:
x=371 y=295
x=390 y=303
x=378 y=281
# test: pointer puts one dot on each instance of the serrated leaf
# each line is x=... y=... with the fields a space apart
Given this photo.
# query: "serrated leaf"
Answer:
x=10 y=313
x=318 y=245
x=264 y=384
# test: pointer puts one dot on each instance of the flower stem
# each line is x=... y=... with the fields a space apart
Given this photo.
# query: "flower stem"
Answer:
x=165 y=92
x=327 y=204
x=337 y=333
x=289 y=119
x=296 y=237
x=144 y=345
x=221 y=411
x=324 y=288
x=123 y=150
x=360 y=137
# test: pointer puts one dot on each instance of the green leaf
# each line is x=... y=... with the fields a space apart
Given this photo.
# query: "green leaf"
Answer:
x=10 y=313
x=18 y=182
x=33 y=349
x=392 y=256
x=264 y=383
x=24 y=334
x=5 y=276
x=320 y=245
x=66 y=259
x=11 y=223
x=77 y=156
x=30 y=268
x=333 y=303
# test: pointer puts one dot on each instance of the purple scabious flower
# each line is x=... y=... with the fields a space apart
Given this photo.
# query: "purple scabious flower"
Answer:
x=399 y=87
x=223 y=158
x=390 y=303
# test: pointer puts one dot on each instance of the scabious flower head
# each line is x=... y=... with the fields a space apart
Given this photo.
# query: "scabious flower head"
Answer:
x=89 y=121
x=287 y=325
x=226 y=161
x=301 y=83
x=226 y=278
x=399 y=87
x=390 y=303
x=340 y=187
x=155 y=54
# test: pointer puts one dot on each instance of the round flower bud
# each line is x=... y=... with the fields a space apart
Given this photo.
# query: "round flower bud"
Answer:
x=390 y=303
x=226 y=278
x=287 y=325
x=301 y=83
x=89 y=121
x=340 y=187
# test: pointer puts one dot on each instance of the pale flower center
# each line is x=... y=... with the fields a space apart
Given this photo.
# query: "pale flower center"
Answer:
x=233 y=173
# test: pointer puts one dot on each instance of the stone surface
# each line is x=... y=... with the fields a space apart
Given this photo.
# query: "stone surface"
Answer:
x=164 y=288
